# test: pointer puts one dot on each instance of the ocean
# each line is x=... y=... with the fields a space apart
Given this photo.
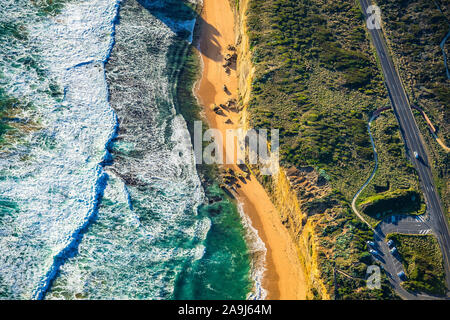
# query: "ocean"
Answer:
x=99 y=192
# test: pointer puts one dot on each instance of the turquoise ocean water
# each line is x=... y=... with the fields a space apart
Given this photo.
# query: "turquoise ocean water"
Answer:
x=99 y=193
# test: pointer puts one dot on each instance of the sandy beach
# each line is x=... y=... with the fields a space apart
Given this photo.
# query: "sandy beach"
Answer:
x=284 y=278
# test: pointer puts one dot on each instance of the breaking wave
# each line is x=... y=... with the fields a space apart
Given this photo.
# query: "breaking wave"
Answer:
x=99 y=194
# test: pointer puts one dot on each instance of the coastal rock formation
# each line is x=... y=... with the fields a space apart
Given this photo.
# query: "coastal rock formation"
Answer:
x=290 y=190
x=316 y=215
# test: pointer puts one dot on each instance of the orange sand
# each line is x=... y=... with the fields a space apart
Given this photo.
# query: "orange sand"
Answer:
x=284 y=278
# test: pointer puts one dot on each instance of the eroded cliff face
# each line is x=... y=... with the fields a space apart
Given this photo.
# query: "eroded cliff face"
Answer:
x=293 y=190
x=245 y=69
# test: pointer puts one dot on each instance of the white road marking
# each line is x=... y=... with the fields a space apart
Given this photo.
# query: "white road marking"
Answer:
x=419 y=218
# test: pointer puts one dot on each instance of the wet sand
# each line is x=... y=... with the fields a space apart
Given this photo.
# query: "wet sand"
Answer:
x=284 y=278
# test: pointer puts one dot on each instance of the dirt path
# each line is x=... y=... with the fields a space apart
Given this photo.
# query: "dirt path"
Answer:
x=284 y=278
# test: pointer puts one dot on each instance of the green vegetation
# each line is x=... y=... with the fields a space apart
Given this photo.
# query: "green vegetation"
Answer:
x=316 y=79
x=343 y=246
x=440 y=161
x=395 y=174
x=422 y=260
x=415 y=29
x=397 y=201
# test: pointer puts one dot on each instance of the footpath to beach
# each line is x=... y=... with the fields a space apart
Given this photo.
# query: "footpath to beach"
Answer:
x=283 y=278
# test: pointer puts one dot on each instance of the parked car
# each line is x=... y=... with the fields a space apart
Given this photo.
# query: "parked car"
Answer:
x=371 y=243
x=402 y=275
x=390 y=243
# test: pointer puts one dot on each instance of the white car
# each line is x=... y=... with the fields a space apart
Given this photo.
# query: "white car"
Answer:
x=401 y=275
x=371 y=243
x=416 y=155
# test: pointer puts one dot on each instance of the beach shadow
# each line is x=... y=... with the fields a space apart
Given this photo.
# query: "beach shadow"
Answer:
x=226 y=90
x=208 y=43
x=242 y=179
x=228 y=192
x=176 y=15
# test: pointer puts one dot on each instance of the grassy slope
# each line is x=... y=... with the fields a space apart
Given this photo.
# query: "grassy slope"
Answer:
x=422 y=260
x=415 y=29
x=311 y=83
x=316 y=79
x=395 y=173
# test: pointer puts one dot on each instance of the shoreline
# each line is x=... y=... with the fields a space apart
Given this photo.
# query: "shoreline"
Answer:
x=282 y=264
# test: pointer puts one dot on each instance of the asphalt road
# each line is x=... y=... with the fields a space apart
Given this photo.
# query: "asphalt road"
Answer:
x=414 y=143
x=392 y=263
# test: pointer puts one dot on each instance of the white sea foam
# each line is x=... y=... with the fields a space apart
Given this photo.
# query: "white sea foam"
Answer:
x=57 y=190
x=138 y=259
x=141 y=239
x=258 y=252
x=147 y=230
